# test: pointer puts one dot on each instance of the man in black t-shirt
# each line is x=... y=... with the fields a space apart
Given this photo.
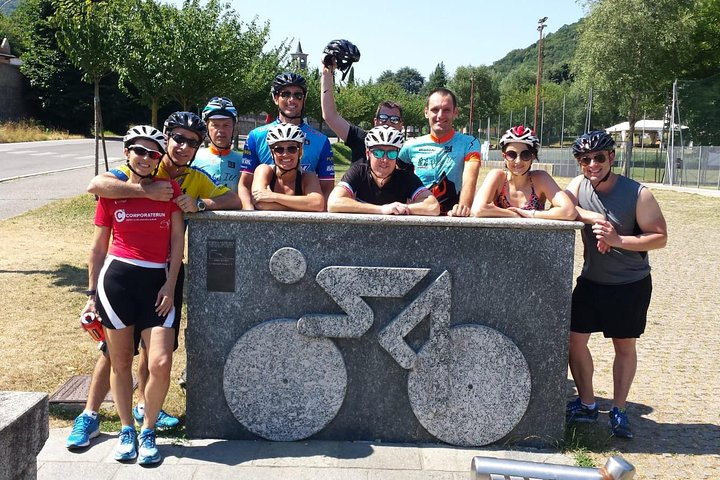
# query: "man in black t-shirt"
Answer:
x=388 y=113
x=377 y=186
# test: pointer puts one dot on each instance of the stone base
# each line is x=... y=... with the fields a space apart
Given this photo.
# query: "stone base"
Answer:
x=23 y=431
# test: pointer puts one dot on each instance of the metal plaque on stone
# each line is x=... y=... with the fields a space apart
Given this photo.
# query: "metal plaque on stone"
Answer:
x=221 y=265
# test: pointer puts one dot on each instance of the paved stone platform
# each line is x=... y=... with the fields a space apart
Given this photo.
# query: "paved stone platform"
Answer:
x=233 y=459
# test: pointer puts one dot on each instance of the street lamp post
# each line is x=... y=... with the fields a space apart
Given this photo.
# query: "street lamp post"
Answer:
x=541 y=27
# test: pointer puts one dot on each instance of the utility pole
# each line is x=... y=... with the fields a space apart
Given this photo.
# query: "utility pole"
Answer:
x=472 y=90
x=541 y=27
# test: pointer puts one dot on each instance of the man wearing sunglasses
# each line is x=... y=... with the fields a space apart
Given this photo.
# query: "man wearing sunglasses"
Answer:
x=388 y=113
x=219 y=159
x=378 y=186
x=446 y=161
x=289 y=93
x=623 y=221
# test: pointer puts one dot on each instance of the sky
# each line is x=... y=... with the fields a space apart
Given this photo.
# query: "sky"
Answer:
x=392 y=34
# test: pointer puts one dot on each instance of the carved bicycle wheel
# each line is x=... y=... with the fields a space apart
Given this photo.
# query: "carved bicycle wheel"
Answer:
x=475 y=392
x=282 y=385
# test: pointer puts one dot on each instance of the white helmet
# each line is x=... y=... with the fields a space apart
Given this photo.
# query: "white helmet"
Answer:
x=384 y=136
x=520 y=134
x=146 y=131
x=285 y=132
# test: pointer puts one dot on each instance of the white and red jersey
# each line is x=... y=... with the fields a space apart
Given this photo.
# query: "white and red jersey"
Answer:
x=140 y=226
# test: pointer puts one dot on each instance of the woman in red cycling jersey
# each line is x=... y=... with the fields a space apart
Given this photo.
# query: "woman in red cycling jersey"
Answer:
x=133 y=267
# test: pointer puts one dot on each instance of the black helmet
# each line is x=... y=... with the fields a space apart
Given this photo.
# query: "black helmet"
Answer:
x=344 y=52
x=287 y=79
x=186 y=120
x=592 y=142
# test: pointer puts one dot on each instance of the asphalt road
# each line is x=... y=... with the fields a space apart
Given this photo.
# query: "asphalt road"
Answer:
x=35 y=173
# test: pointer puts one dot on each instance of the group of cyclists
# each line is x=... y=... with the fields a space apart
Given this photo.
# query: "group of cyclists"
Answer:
x=136 y=273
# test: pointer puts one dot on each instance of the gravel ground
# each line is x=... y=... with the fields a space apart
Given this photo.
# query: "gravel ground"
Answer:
x=674 y=406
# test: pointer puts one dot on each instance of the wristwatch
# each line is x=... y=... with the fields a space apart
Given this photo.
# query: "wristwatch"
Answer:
x=200 y=205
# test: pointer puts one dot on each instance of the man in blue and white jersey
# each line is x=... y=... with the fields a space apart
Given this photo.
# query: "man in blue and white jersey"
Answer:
x=446 y=161
x=289 y=92
x=219 y=160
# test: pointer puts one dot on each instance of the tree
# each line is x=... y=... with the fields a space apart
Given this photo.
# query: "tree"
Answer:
x=438 y=78
x=409 y=79
x=88 y=33
x=485 y=97
x=386 y=76
x=631 y=47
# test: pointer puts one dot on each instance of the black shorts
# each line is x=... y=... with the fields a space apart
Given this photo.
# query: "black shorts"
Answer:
x=127 y=295
x=619 y=311
x=178 y=299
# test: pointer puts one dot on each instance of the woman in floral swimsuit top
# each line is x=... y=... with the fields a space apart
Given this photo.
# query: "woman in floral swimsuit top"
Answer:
x=518 y=192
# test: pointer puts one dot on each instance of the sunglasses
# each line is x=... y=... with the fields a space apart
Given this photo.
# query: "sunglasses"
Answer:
x=383 y=117
x=180 y=140
x=599 y=158
x=512 y=155
x=296 y=95
x=390 y=154
x=290 y=150
x=145 y=152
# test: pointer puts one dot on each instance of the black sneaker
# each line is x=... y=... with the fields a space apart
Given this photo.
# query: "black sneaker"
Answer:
x=575 y=411
x=619 y=423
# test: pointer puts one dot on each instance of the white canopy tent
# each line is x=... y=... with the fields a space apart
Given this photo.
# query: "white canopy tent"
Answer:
x=653 y=128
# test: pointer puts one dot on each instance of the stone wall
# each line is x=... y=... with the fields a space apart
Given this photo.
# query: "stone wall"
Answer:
x=12 y=105
x=23 y=430
x=362 y=327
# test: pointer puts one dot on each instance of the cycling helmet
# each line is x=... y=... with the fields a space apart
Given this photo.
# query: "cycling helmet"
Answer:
x=344 y=53
x=219 y=107
x=520 y=134
x=285 y=132
x=186 y=120
x=592 y=142
x=145 y=131
x=287 y=79
x=384 y=135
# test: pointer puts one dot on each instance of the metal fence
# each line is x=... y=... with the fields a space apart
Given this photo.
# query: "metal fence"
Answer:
x=690 y=166
x=487 y=468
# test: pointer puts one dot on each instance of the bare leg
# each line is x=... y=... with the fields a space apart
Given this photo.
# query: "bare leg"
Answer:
x=624 y=368
x=142 y=373
x=120 y=347
x=581 y=366
x=99 y=384
x=159 y=344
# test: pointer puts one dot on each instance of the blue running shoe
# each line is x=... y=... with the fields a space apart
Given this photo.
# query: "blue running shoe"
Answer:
x=126 y=448
x=138 y=416
x=575 y=411
x=619 y=423
x=165 y=421
x=84 y=428
x=148 y=452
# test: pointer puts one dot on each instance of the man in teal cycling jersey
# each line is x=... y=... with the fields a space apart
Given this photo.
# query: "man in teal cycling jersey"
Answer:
x=446 y=161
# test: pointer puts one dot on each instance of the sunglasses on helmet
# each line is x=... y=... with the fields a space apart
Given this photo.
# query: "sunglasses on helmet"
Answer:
x=145 y=152
x=525 y=155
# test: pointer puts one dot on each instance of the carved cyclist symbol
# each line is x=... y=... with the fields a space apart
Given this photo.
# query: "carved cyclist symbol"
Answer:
x=467 y=385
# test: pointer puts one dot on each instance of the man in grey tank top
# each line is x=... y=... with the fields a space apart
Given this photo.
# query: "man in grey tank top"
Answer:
x=623 y=222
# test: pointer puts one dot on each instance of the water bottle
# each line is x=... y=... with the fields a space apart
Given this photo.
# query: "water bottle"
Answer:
x=91 y=323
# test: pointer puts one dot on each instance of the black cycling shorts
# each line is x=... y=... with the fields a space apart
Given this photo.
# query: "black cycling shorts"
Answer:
x=619 y=311
x=127 y=295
